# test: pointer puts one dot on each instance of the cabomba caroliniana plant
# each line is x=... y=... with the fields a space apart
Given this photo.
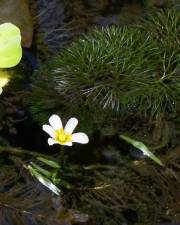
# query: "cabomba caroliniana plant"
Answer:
x=112 y=73
x=10 y=50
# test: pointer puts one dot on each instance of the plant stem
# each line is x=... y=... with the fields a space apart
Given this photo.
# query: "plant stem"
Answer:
x=62 y=157
x=20 y=151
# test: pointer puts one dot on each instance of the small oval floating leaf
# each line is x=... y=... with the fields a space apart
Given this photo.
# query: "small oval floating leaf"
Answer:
x=46 y=182
x=141 y=146
x=10 y=45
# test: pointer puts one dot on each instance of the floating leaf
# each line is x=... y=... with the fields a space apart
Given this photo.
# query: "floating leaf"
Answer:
x=10 y=45
x=46 y=182
x=51 y=163
x=141 y=146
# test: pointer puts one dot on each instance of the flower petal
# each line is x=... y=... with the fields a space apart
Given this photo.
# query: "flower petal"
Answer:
x=80 y=137
x=55 y=122
x=48 y=129
x=70 y=126
x=67 y=143
x=52 y=141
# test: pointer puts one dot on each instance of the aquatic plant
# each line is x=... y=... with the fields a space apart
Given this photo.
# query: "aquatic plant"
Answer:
x=108 y=73
x=64 y=136
x=76 y=17
x=91 y=66
x=134 y=193
x=113 y=72
x=164 y=27
x=49 y=178
x=10 y=50
x=143 y=148
x=10 y=45
x=10 y=55
x=58 y=135
x=24 y=201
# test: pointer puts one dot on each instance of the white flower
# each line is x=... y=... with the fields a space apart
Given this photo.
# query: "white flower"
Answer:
x=64 y=136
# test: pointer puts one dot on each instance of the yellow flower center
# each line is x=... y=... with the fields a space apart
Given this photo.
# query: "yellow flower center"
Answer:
x=62 y=137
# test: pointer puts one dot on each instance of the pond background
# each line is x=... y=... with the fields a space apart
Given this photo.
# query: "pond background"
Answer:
x=132 y=190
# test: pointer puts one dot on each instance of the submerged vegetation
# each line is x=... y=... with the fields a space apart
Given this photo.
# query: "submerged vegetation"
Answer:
x=113 y=72
x=137 y=193
x=119 y=74
x=111 y=78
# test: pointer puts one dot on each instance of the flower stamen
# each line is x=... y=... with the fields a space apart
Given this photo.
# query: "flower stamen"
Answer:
x=62 y=137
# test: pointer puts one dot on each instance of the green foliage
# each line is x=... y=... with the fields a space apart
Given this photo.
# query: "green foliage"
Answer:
x=49 y=177
x=41 y=175
x=114 y=71
x=164 y=27
x=142 y=147
x=24 y=201
x=50 y=163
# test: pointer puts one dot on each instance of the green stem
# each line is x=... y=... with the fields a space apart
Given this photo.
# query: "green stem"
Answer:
x=99 y=166
x=20 y=151
x=62 y=157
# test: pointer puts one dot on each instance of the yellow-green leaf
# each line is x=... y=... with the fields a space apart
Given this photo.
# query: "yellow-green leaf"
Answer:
x=10 y=45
